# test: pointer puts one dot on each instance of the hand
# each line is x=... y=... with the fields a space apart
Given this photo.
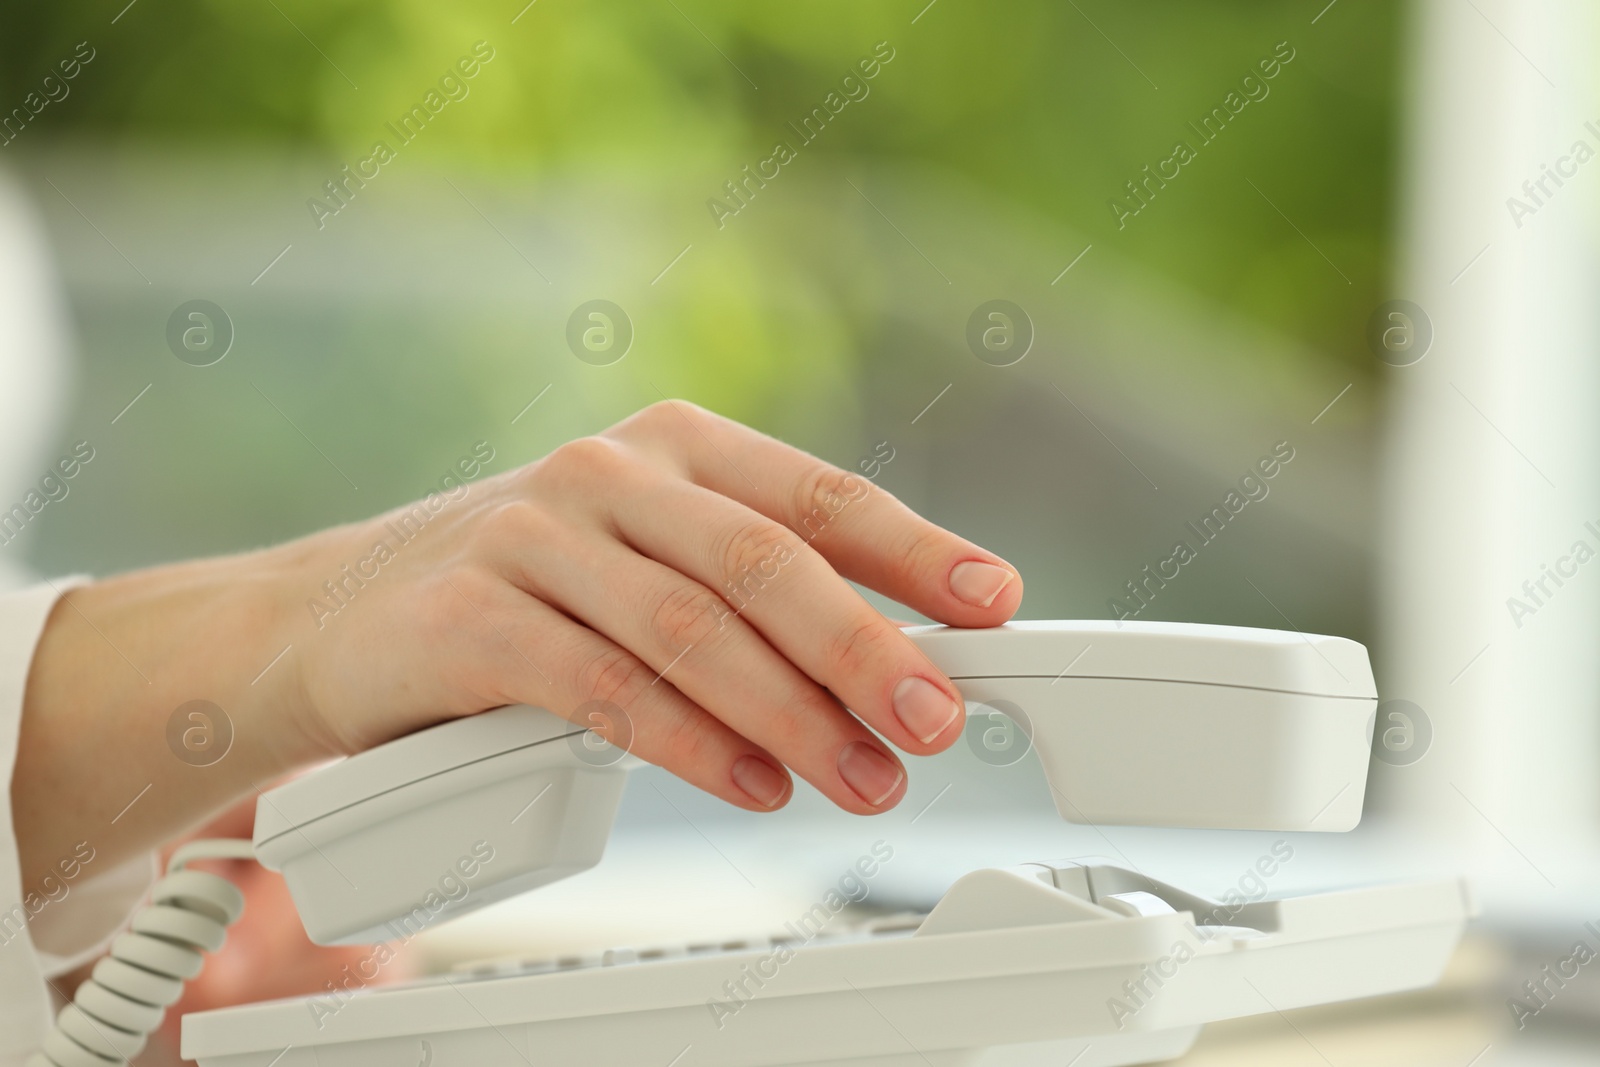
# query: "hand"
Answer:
x=679 y=567
x=682 y=568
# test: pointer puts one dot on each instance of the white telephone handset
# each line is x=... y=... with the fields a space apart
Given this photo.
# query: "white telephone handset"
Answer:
x=1155 y=724
x=444 y=821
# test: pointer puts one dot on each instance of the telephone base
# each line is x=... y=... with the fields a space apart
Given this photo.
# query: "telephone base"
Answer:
x=1039 y=965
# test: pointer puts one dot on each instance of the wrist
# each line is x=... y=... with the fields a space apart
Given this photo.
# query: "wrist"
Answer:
x=214 y=631
x=152 y=699
x=295 y=579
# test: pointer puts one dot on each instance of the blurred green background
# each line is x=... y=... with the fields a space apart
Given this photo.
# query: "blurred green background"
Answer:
x=830 y=311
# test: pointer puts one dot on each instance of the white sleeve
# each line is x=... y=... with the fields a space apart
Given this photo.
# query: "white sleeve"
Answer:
x=43 y=936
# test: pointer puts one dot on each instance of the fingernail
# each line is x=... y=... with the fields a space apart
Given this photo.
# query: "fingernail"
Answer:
x=922 y=708
x=765 y=783
x=873 y=775
x=978 y=583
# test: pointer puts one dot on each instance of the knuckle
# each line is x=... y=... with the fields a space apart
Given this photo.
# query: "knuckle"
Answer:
x=922 y=553
x=582 y=459
x=758 y=546
x=803 y=715
x=860 y=645
x=514 y=520
x=660 y=420
x=686 y=615
x=821 y=495
x=674 y=408
x=683 y=741
x=802 y=719
x=613 y=676
x=666 y=429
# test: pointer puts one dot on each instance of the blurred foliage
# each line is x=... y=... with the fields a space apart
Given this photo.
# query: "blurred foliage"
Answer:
x=1049 y=106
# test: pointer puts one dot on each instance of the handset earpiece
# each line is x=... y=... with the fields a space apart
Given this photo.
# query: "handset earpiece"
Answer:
x=1173 y=724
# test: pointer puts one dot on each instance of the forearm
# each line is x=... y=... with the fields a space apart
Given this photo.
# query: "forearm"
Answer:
x=96 y=760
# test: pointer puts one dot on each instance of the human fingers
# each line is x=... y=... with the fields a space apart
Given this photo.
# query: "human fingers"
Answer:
x=696 y=643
